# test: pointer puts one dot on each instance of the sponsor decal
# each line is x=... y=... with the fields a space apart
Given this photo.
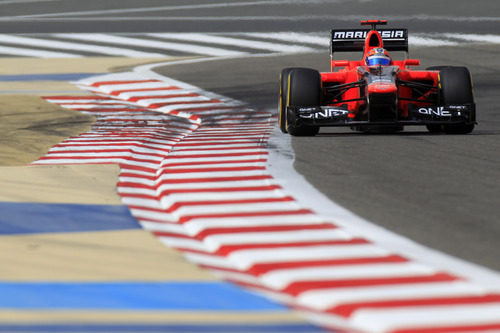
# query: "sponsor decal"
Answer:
x=457 y=107
x=361 y=34
x=378 y=79
x=322 y=113
x=392 y=34
x=349 y=34
x=438 y=111
x=313 y=109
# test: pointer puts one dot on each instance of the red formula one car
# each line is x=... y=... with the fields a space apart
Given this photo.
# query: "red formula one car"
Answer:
x=376 y=93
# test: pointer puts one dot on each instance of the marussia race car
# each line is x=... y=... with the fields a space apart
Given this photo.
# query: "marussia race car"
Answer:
x=376 y=93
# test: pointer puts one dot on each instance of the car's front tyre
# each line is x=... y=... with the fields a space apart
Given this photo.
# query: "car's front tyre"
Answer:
x=455 y=88
x=303 y=89
x=283 y=98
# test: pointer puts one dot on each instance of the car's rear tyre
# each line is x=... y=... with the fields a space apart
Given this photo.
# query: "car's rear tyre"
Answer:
x=456 y=88
x=304 y=89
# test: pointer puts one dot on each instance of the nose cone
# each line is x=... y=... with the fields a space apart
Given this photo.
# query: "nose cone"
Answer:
x=382 y=88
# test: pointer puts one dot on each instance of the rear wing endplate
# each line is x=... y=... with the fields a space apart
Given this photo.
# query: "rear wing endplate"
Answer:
x=352 y=40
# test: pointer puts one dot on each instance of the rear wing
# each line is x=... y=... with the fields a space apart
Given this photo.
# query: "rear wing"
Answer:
x=352 y=40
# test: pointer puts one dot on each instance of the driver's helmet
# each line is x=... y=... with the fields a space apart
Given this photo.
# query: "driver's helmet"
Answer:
x=378 y=57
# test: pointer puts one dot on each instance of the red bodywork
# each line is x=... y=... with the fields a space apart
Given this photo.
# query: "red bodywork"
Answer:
x=352 y=71
x=384 y=96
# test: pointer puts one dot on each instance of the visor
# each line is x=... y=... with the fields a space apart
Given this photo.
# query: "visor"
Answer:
x=376 y=61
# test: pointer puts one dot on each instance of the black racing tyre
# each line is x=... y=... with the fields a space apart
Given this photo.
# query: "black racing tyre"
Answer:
x=283 y=99
x=304 y=89
x=456 y=88
x=456 y=85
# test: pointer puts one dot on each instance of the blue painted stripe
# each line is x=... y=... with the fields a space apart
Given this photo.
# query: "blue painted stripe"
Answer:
x=173 y=328
x=193 y=296
x=47 y=77
x=22 y=218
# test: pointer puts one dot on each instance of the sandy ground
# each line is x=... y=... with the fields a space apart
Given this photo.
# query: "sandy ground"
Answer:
x=29 y=126
x=141 y=317
x=126 y=255
x=13 y=66
x=85 y=184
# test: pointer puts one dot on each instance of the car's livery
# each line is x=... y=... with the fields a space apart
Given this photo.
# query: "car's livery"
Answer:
x=375 y=95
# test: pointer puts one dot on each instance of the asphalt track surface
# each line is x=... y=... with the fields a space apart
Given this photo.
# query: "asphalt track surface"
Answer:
x=440 y=190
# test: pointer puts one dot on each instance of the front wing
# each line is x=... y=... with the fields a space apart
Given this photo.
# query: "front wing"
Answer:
x=338 y=116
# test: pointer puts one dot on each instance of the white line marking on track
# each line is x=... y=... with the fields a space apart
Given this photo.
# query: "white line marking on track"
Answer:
x=4 y=38
x=487 y=38
x=295 y=37
x=18 y=51
x=183 y=47
x=275 y=47
x=427 y=41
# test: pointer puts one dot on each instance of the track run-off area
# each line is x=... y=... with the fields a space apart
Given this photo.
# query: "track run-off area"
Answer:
x=196 y=171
